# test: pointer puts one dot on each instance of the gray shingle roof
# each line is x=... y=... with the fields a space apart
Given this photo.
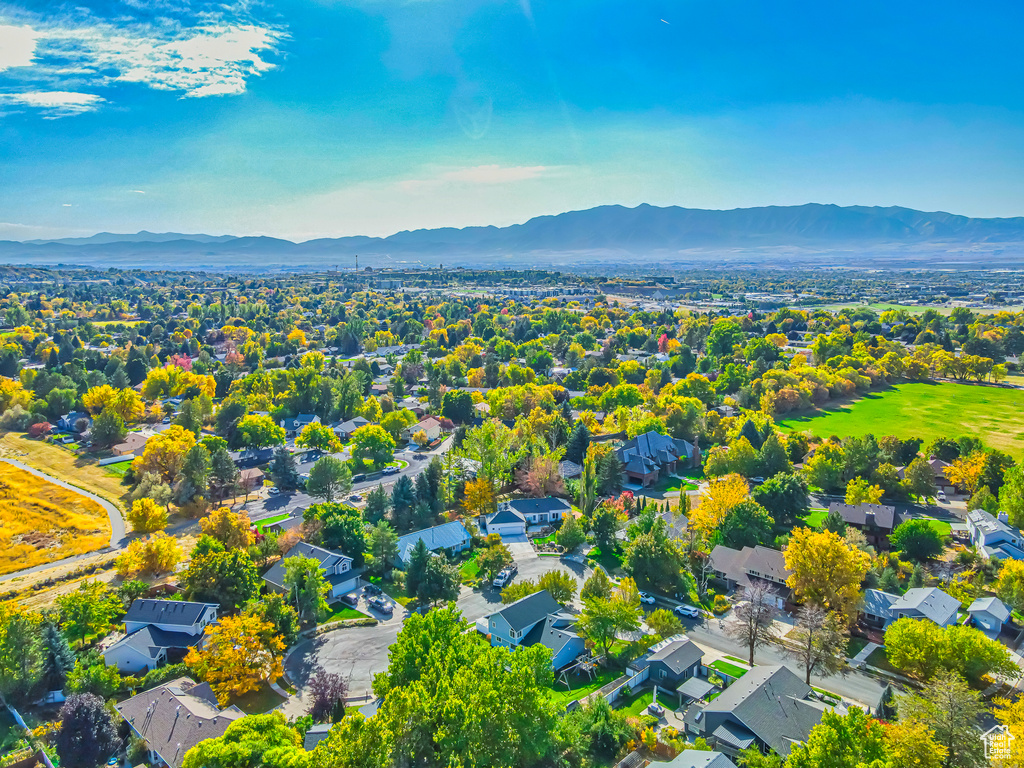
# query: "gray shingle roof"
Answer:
x=180 y=612
x=150 y=640
x=678 y=656
x=878 y=603
x=326 y=558
x=527 y=611
x=176 y=716
x=991 y=605
x=880 y=515
x=536 y=506
x=930 y=602
x=698 y=758
x=506 y=515
x=442 y=536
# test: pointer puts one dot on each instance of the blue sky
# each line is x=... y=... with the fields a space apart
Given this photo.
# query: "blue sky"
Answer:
x=339 y=117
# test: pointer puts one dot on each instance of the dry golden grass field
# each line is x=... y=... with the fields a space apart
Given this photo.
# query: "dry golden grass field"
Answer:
x=41 y=522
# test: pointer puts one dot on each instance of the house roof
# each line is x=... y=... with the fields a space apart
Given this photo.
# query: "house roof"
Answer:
x=441 y=536
x=879 y=515
x=930 y=602
x=252 y=472
x=992 y=606
x=759 y=562
x=553 y=633
x=353 y=424
x=677 y=653
x=878 y=603
x=177 y=612
x=428 y=423
x=150 y=641
x=176 y=716
x=315 y=735
x=327 y=559
x=696 y=688
x=132 y=441
x=535 y=506
x=698 y=758
x=650 y=450
x=527 y=611
x=771 y=703
x=506 y=514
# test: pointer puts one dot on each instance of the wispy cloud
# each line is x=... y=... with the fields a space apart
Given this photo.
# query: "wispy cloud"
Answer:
x=479 y=175
x=54 y=104
x=207 y=51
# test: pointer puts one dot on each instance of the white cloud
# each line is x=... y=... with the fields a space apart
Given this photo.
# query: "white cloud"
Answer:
x=479 y=175
x=17 y=46
x=215 y=53
x=139 y=191
x=65 y=205
x=54 y=104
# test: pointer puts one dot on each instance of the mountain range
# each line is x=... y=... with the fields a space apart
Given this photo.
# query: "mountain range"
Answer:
x=812 y=234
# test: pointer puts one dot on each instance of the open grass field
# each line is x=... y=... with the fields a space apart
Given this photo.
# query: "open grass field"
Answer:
x=41 y=522
x=913 y=309
x=64 y=465
x=927 y=411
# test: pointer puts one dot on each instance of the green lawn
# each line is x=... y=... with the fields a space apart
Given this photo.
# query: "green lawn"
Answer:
x=926 y=411
x=637 y=705
x=669 y=483
x=340 y=611
x=815 y=518
x=581 y=687
x=469 y=570
x=117 y=470
x=730 y=669
x=855 y=646
x=611 y=561
x=878 y=658
x=271 y=520
x=944 y=528
x=391 y=591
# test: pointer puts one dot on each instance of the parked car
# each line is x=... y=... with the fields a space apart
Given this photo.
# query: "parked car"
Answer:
x=941 y=495
x=389 y=471
x=646 y=598
x=350 y=599
x=372 y=589
x=358 y=478
x=355 y=497
x=504 y=578
x=273 y=490
x=687 y=610
x=378 y=603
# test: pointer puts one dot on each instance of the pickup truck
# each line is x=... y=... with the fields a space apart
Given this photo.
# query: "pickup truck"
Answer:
x=504 y=578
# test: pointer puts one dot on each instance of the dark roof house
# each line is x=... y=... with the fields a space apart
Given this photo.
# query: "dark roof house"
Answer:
x=648 y=456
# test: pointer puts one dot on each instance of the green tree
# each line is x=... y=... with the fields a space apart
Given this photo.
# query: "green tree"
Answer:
x=377 y=503
x=21 y=652
x=747 y=524
x=218 y=575
x=951 y=709
x=784 y=496
x=772 y=458
x=571 y=534
x=597 y=585
x=918 y=540
x=493 y=559
x=342 y=528
x=57 y=657
x=87 y=736
x=329 y=479
x=603 y=619
x=440 y=582
x=853 y=739
x=457 y=405
x=579 y=441
x=919 y=478
x=257 y=432
x=283 y=470
x=264 y=740
x=416 y=567
x=273 y=609
x=560 y=584
x=224 y=472
x=306 y=585
x=664 y=623
x=372 y=443
x=88 y=610
x=383 y=545
x=108 y=429
x=319 y=437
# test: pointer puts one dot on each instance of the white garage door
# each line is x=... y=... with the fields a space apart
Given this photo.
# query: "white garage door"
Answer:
x=508 y=529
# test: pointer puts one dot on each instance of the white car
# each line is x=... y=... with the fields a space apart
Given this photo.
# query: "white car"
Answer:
x=687 y=610
x=941 y=495
x=646 y=598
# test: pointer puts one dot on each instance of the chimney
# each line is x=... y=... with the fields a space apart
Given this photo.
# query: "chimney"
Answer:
x=1003 y=517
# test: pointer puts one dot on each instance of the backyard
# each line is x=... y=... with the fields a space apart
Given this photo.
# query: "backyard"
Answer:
x=924 y=410
x=638 y=703
x=580 y=686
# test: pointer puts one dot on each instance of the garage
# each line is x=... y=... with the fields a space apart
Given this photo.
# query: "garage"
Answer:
x=507 y=522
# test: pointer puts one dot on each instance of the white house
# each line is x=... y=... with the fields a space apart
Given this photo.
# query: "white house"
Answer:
x=158 y=631
x=338 y=571
x=994 y=537
x=989 y=614
x=513 y=517
x=430 y=426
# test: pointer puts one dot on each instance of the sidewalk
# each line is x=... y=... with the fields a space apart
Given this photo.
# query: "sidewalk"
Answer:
x=862 y=656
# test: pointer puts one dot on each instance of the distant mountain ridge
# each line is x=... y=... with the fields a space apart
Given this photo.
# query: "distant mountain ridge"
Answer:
x=607 y=233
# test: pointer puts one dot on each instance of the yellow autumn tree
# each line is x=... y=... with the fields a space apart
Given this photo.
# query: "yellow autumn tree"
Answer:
x=232 y=529
x=126 y=402
x=860 y=491
x=147 y=516
x=238 y=655
x=722 y=495
x=826 y=571
x=297 y=337
x=165 y=453
x=965 y=472
x=159 y=553
x=1011 y=714
x=371 y=410
x=479 y=497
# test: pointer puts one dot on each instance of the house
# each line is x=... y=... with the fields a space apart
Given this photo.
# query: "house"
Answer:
x=250 y=479
x=507 y=521
x=539 y=511
x=315 y=734
x=346 y=428
x=989 y=614
x=429 y=426
x=876 y=608
x=536 y=618
x=292 y=427
x=926 y=603
x=69 y=423
x=482 y=409
x=698 y=758
x=739 y=568
x=648 y=456
x=670 y=664
x=134 y=445
x=994 y=537
x=159 y=631
x=876 y=521
x=448 y=537
x=174 y=717
x=770 y=707
x=338 y=570
x=251 y=457
x=569 y=469
x=413 y=404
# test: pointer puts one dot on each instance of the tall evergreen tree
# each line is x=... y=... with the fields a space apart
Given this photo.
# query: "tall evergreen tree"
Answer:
x=403 y=499
x=416 y=570
x=579 y=441
x=58 y=658
x=283 y=471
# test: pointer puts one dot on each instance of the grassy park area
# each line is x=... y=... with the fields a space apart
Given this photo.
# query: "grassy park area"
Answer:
x=927 y=411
